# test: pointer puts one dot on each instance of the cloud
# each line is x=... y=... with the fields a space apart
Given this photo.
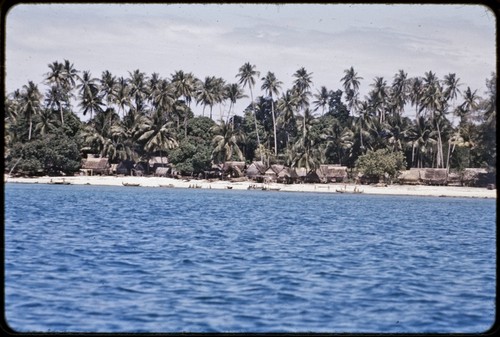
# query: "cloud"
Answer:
x=217 y=39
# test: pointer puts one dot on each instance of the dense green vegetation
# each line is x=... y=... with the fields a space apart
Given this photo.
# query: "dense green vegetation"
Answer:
x=413 y=122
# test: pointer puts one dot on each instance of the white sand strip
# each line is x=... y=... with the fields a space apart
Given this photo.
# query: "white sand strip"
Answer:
x=160 y=182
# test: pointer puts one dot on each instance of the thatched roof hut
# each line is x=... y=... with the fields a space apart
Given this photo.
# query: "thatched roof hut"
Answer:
x=162 y=171
x=140 y=169
x=410 y=177
x=270 y=175
x=287 y=176
x=332 y=173
x=155 y=162
x=92 y=165
x=454 y=179
x=234 y=168
x=255 y=169
x=312 y=177
x=301 y=172
x=123 y=168
x=477 y=177
x=434 y=176
x=277 y=168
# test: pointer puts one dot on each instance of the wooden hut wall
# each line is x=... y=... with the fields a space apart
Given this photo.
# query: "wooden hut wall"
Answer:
x=270 y=175
x=155 y=162
x=162 y=171
x=434 y=176
x=96 y=165
x=255 y=170
x=410 y=177
x=477 y=177
x=332 y=173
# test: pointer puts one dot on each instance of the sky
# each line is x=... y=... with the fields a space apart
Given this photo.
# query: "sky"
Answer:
x=217 y=39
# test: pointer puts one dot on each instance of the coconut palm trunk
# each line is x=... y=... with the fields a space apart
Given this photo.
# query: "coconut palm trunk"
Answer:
x=255 y=120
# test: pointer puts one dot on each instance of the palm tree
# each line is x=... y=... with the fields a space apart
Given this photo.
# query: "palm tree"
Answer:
x=185 y=85
x=138 y=89
x=108 y=85
x=163 y=98
x=219 y=93
x=247 y=74
x=470 y=104
x=46 y=124
x=89 y=94
x=399 y=92
x=416 y=92
x=62 y=76
x=271 y=86
x=451 y=90
x=379 y=97
x=434 y=103
x=30 y=103
x=71 y=74
x=158 y=136
x=421 y=138
x=303 y=80
x=152 y=85
x=53 y=100
x=287 y=105
x=363 y=121
x=206 y=93
x=306 y=150
x=351 y=82
x=233 y=92
x=57 y=77
x=225 y=143
x=322 y=99
x=301 y=86
x=451 y=83
x=122 y=95
x=351 y=79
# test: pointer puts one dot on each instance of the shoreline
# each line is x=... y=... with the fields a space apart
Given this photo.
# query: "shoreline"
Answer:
x=162 y=182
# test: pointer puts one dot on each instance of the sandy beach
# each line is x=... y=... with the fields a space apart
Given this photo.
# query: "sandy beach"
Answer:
x=161 y=182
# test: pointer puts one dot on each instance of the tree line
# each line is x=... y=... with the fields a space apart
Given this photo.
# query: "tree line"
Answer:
x=428 y=121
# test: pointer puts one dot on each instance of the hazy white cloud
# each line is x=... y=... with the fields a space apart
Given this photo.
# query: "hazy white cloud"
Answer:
x=377 y=40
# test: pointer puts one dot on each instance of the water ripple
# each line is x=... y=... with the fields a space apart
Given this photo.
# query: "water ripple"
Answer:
x=246 y=261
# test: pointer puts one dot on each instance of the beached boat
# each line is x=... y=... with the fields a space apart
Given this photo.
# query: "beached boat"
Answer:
x=267 y=188
x=130 y=184
x=229 y=187
x=355 y=191
x=59 y=182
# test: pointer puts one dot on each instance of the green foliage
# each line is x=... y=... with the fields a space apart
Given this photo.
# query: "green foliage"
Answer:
x=191 y=157
x=53 y=154
x=380 y=163
x=153 y=115
x=201 y=128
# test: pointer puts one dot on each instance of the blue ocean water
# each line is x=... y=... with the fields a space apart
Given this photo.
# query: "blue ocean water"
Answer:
x=133 y=259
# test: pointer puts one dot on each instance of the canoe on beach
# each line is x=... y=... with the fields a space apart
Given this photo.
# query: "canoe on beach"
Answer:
x=271 y=188
x=345 y=191
x=59 y=182
x=130 y=184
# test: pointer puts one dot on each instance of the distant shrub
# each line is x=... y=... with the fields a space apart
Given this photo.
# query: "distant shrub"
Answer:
x=381 y=164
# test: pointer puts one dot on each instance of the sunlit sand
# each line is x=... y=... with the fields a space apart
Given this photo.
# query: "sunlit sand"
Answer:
x=161 y=182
